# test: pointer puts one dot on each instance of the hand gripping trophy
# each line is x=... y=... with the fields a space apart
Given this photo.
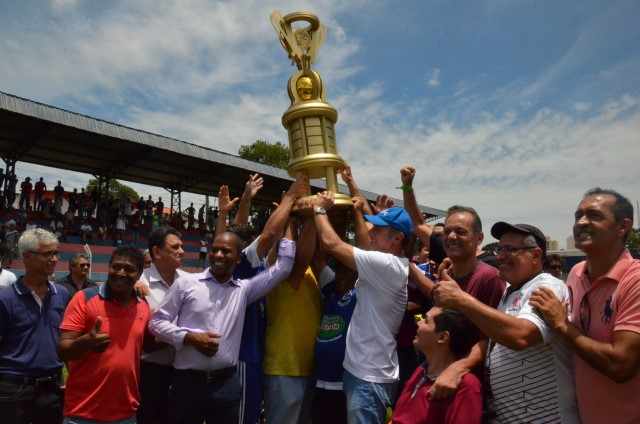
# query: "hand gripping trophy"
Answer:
x=310 y=119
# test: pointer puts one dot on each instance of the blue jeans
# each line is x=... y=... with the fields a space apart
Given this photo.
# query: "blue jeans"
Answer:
x=288 y=400
x=24 y=402
x=367 y=402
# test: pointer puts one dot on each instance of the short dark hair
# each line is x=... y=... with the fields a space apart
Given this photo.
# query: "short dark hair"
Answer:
x=244 y=231
x=234 y=235
x=622 y=208
x=553 y=257
x=130 y=252
x=460 y=330
x=158 y=237
x=477 y=223
x=439 y=224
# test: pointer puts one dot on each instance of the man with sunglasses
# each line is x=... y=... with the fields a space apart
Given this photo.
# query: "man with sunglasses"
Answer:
x=31 y=310
x=529 y=372
x=554 y=265
x=77 y=279
x=603 y=327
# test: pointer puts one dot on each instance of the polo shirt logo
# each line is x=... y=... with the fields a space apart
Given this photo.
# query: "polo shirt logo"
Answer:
x=607 y=311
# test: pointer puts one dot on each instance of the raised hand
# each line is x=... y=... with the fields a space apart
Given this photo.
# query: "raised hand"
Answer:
x=253 y=185
x=325 y=199
x=345 y=173
x=406 y=175
x=447 y=293
x=299 y=187
x=225 y=204
x=205 y=343
x=382 y=202
x=98 y=342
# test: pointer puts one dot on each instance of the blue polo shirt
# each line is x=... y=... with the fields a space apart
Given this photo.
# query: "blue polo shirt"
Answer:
x=29 y=332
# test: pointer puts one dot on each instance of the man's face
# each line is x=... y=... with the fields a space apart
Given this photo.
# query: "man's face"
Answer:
x=426 y=336
x=41 y=261
x=123 y=274
x=224 y=256
x=595 y=228
x=382 y=239
x=519 y=266
x=171 y=255
x=81 y=268
x=460 y=240
x=147 y=261
x=555 y=268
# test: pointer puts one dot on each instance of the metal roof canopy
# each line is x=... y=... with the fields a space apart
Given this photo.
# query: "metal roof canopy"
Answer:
x=45 y=135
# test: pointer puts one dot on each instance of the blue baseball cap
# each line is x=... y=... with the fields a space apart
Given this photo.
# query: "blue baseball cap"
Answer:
x=394 y=217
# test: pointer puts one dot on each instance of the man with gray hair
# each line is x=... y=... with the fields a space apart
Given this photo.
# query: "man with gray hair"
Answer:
x=156 y=368
x=30 y=314
x=529 y=370
x=77 y=279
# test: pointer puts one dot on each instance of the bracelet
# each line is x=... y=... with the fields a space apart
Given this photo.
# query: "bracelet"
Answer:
x=405 y=187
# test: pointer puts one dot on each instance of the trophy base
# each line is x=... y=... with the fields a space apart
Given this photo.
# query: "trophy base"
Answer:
x=341 y=203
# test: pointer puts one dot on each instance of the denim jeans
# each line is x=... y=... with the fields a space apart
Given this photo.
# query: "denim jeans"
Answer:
x=288 y=400
x=367 y=402
x=22 y=403
x=155 y=385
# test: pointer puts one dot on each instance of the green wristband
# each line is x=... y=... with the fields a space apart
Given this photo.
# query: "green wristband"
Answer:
x=405 y=187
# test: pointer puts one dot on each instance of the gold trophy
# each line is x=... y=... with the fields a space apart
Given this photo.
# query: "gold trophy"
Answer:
x=310 y=119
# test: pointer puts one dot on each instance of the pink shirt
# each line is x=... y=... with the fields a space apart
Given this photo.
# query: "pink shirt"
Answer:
x=613 y=305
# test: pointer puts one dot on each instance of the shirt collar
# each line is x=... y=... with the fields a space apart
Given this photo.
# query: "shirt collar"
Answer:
x=21 y=288
x=105 y=292
x=207 y=275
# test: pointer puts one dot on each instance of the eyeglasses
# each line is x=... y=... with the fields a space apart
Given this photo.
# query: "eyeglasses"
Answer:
x=49 y=254
x=83 y=265
x=554 y=266
x=585 y=312
x=509 y=250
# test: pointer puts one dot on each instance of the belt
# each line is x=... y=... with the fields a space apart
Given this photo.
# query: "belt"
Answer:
x=213 y=374
x=31 y=381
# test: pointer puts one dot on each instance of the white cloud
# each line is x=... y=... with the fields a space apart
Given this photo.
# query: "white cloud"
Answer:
x=434 y=78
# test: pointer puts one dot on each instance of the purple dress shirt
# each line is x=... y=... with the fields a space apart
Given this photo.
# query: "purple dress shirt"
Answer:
x=201 y=304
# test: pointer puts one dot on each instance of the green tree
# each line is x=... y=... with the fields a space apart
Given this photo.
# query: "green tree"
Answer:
x=274 y=154
x=116 y=188
x=633 y=241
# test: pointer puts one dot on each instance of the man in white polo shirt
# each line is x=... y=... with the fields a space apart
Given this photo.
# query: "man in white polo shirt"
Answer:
x=371 y=360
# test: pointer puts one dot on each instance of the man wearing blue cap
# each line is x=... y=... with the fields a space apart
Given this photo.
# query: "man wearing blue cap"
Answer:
x=371 y=361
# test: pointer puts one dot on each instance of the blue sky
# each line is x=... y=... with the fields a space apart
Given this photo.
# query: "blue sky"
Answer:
x=512 y=107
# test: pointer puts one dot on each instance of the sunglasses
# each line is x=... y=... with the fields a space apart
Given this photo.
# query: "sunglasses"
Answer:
x=83 y=265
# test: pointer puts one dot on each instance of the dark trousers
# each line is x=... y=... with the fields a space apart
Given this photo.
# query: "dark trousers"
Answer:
x=329 y=406
x=155 y=385
x=198 y=397
x=29 y=401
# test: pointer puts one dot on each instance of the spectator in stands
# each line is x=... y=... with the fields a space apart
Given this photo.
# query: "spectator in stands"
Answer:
x=86 y=230
x=156 y=368
x=121 y=225
x=58 y=193
x=202 y=255
x=38 y=190
x=82 y=204
x=6 y=277
x=57 y=227
x=149 y=210
x=136 y=221
x=91 y=203
x=25 y=194
x=72 y=199
x=30 y=225
x=104 y=352
x=78 y=277
x=11 y=235
x=191 y=217
x=68 y=218
x=443 y=337
x=554 y=265
x=201 y=224
x=30 y=313
x=159 y=208
x=11 y=191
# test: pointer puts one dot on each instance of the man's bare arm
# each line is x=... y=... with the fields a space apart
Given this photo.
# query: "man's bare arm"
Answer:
x=618 y=360
x=331 y=242
x=251 y=188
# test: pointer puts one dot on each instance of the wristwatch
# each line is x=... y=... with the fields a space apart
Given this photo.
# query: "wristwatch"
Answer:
x=319 y=211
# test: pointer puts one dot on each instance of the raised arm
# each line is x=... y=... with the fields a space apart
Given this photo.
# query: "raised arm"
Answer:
x=331 y=242
x=305 y=247
x=275 y=224
x=251 y=188
x=354 y=191
x=362 y=232
x=225 y=205
x=420 y=229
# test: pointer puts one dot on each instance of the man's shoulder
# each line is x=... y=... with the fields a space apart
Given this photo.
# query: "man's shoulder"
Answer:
x=63 y=280
x=484 y=271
